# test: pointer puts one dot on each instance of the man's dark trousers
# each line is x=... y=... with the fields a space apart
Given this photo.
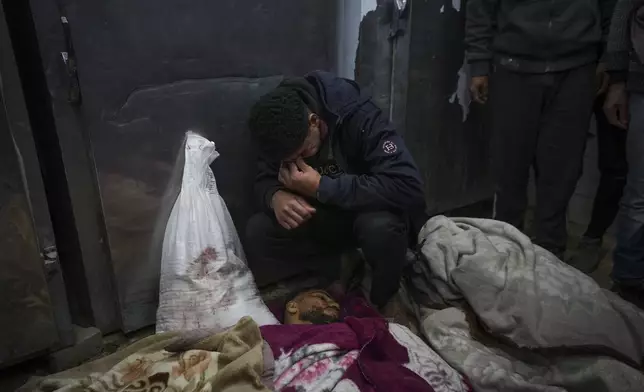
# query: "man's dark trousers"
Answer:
x=540 y=121
x=382 y=236
x=612 y=165
x=628 y=260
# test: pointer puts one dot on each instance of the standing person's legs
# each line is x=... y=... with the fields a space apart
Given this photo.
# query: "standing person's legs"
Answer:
x=516 y=101
x=383 y=238
x=560 y=151
x=317 y=244
x=628 y=261
x=611 y=148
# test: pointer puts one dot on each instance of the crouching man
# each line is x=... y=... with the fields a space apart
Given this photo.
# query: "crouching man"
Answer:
x=333 y=175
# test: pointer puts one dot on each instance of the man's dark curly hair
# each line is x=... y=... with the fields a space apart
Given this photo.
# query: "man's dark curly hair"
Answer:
x=279 y=123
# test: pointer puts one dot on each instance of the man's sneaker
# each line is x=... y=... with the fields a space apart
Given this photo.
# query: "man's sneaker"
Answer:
x=634 y=295
x=588 y=255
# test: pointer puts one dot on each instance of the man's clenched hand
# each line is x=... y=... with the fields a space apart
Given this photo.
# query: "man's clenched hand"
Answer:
x=479 y=89
x=616 y=105
x=291 y=210
x=300 y=178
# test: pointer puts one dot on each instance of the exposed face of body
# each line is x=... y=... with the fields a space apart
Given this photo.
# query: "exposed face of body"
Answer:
x=312 y=307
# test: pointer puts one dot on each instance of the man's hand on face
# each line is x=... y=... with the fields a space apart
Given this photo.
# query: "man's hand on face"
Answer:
x=616 y=105
x=291 y=210
x=300 y=178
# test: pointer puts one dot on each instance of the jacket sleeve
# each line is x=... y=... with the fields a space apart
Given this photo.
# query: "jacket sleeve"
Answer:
x=266 y=184
x=619 y=46
x=392 y=180
x=606 y=8
x=480 y=27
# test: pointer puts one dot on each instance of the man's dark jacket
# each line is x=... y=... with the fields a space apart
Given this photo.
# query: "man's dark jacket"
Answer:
x=380 y=173
x=626 y=35
x=535 y=36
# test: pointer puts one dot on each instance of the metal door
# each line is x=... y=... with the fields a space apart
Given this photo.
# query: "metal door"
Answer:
x=28 y=324
x=128 y=78
x=446 y=131
x=413 y=63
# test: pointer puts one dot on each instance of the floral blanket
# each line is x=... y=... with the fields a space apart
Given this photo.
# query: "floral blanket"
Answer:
x=513 y=317
x=236 y=360
x=359 y=354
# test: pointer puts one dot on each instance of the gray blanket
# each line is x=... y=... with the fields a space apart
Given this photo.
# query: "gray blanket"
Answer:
x=542 y=324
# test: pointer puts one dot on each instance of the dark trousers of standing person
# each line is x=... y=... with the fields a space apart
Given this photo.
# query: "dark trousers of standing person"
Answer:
x=628 y=259
x=540 y=121
x=382 y=236
x=611 y=149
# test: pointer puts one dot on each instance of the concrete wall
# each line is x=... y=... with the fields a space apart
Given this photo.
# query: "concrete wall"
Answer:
x=350 y=14
x=143 y=85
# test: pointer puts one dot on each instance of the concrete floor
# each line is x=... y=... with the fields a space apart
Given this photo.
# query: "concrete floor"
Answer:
x=14 y=377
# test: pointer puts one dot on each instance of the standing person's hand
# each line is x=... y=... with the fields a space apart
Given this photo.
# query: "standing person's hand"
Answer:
x=479 y=89
x=616 y=105
x=291 y=210
x=601 y=79
x=300 y=178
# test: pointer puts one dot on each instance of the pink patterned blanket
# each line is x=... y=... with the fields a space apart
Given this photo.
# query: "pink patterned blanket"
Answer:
x=359 y=354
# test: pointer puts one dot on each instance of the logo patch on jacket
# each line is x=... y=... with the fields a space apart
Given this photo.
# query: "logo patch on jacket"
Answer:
x=330 y=169
x=389 y=147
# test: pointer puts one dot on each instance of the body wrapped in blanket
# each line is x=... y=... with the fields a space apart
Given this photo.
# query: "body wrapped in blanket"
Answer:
x=533 y=324
x=513 y=317
x=545 y=326
x=360 y=354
